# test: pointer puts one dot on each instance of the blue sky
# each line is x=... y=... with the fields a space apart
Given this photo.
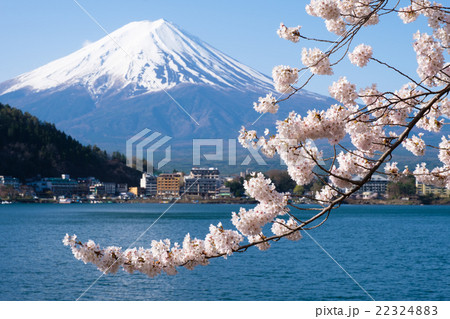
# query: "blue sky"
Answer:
x=33 y=33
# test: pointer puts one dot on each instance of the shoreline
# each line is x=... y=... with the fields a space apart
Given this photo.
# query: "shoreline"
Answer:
x=236 y=201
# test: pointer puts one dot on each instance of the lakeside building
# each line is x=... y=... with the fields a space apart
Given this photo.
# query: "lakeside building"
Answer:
x=377 y=184
x=223 y=192
x=169 y=185
x=149 y=184
x=422 y=189
x=202 y=182
x=63 y=186
x=110 y=188
x=97 y=189
x=84 y=184
x=10 y=181
x=103 y=189
x=204 y=173
x=121 y=188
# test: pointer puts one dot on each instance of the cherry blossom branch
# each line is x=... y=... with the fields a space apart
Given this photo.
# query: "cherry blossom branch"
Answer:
x=415 y=104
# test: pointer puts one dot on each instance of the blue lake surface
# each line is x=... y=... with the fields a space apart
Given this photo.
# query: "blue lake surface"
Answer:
x=394 y=252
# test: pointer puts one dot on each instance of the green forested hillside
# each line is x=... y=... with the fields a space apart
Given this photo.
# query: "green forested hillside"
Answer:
x=29 y=147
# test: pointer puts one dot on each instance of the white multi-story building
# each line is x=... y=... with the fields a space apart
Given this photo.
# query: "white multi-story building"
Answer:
x=204 y=173
x=377 y=184
x=149 y=184
x=202 y=182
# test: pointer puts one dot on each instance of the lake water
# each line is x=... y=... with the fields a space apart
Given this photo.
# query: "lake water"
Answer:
x=394 y=252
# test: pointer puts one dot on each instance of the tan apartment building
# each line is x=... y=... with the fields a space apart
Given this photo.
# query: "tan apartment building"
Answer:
x=422 y=189
x=169 y=185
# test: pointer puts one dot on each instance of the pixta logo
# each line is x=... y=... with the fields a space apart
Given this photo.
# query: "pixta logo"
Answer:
x=144 y=144
x=144 y=141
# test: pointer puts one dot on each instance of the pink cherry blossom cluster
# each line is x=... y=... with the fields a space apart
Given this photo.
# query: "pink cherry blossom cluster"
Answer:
x=444 y=151
x=431 y=122
x=350 y=164
x=355 y=163
x=329 y=124
x=326 y=9
x=281 y=227
x=396 y=108
x=290 y=34
x=371 y=97
x=439 y=176
x=429 y=48
x=444 y=107
x=284 y=77
x=317 y=61
x=107 y=260
x=403 y=101
x=326 y=194
x=365 y=135
x=161 y=257
x=340 y=178
x=271 y=204
x=430 y=58
x=247 y=138
x=164 y=257
x=264 y=245
x=266 y=104
x=408 y=14
x=415 y=145
x=361 y=55
x=344 y=11
x=392 y=171
x=337 y=26
x=343 y=91
x=221 y=241
x=299 y=158
x=300 y=161
x=433 y=11
x=337 y=14
x=443 y=35
x=357 y=11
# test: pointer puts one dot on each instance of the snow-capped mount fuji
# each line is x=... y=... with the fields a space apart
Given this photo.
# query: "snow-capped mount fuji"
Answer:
x=138 y=58
x=115 y=87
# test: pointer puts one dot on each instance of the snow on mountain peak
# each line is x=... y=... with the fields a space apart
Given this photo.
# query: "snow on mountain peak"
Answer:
x=141 y=57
